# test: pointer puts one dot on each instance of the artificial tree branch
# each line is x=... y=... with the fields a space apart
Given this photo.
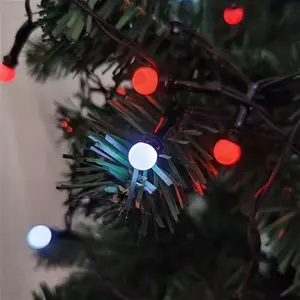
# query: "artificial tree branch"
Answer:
x=280 y=79
x=110 y=285
x=276 y=128
x=279 y=164
x=215 y=86
x=253 y=232
x=112 y=33
x=139 y=52
x=211 y=49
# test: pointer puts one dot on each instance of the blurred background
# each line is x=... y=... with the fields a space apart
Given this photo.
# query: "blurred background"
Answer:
x=30 y=165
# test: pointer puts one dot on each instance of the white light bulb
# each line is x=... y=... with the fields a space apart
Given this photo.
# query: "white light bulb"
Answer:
x=142 y=156
x=39 y=237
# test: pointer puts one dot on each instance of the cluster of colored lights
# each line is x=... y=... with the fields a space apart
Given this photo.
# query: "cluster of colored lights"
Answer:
x=65 y=124
x=145 y=82
x=142 y=156
x=145 y=79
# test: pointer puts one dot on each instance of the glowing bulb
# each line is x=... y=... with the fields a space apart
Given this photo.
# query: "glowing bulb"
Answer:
x=69 y=129
x=121 y=91
x=7 y=74
x=142 y=156
x=227 y=152
x=39 y=237
x=63 y=124
x=233 y=15
x=145 y=80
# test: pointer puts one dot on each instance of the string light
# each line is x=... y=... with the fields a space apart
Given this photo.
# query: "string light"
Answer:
x=145 y=80
x=142 y=156
x=7 y=74
x=233 y=15
x=39 y=236
x=10 y=61
x=227 y=152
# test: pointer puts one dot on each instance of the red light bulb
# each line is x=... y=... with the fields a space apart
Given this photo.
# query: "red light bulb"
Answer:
x=233 y=15
x=121 y=91
x=69 y=129
x=7 y=74
x=227 y=152
x=145 y=80
x=63 y=124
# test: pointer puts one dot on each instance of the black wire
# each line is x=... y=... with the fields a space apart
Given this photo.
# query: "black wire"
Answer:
x=217 y=87
x=280 y=162
x=226 y=90
x=253 y=232
x=280 y=79
x=108 y=29
x=28 y=10
x=234 y=94
x=264 y=83
x=210 y=48
x=276 y=128
x=241 y=98
x=261 y=111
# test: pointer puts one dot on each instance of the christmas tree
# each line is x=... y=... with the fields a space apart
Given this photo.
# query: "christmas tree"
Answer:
x=189 y=173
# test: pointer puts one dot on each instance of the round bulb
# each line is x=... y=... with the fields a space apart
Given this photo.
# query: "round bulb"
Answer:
x=145 y=80
x=64 y=124
x=227 y=152
x=121 y=91
x=39 y=237
x=7 y=74
x=69 y=129
x=233 y=16
x=142 y=156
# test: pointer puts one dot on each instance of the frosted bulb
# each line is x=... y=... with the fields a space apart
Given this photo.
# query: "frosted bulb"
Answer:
x=39 y=237
x=142 y=156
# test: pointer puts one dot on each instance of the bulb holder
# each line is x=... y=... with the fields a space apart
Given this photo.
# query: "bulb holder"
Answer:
x=10 y=61
x=42 y=238
x=154 y=141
